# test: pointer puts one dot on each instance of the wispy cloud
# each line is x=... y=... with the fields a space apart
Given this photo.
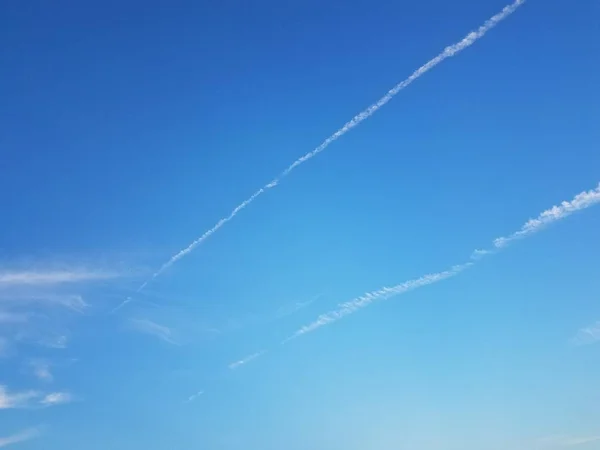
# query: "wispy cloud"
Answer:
x=365 y=300
x=567 y=441
x=587 y=335
x=56 y=398
x=246 y=360
x=31 y=398
x=259 y=319
x=448 y=52
x=566 y=208
x=12 y=400
x=58 y=342
x=51 y=277
x=149 y=327
x=478 y=254
x=581 y=201
x=21 y=436
x=41 y=370
x=193 y=397
x=73 y=302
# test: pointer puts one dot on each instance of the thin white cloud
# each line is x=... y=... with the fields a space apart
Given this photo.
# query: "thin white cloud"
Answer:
x=587 y=335
x=246 y=360
x=21 y=436
x=41 y=370
x=581 y=201
x=11 y=400
x=567 y=441
x=73 y=302
x=51 y=277
x=448 y=52
x=122 y=304
x=56 y=398
x=58 y=342
x=566 y=208
x=31 y=398
x=152 y=328
x=193 y=397
x=478 y=254
x=365 y=300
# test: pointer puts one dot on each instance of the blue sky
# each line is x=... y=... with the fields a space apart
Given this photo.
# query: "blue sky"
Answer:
x=427 y=280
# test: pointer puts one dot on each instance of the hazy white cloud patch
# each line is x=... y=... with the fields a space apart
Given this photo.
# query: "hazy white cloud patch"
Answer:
x=587 y=335
x=54 y=341
x=13 y=400
x=41 y=370
x=29 y=299
x=479 y=253
x=246 y=360
x=31 y=398
x=147 y=326
x=56 y=398
x=12 y=278
x=581 y=201
x=21 y=436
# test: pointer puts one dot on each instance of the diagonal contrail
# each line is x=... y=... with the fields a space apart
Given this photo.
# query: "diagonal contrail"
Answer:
x=579 y=202
x=449 y=51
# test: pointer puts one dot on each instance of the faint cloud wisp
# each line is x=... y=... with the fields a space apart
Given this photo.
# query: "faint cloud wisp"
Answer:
x=193 y=397
x=246 y=360
x=56 y=398
x=152 y=328
x=31 y=399
x=16 y=400
x=21 y=436
x=41 y=370
x=52 y=277
x=587 y=335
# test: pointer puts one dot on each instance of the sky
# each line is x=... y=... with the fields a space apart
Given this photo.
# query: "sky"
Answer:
x=301 y=225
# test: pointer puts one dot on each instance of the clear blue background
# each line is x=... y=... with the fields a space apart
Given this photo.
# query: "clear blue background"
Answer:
x=129 y=128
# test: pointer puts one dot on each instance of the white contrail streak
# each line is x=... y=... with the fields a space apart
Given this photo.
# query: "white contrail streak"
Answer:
x=365 y=300
x=579 y=202
x=246 y=360
x=449 y=51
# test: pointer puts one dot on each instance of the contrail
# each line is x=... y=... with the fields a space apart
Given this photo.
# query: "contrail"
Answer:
x=246 y=360
x=365 y=300
x=579 y=202
x=449 y=51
